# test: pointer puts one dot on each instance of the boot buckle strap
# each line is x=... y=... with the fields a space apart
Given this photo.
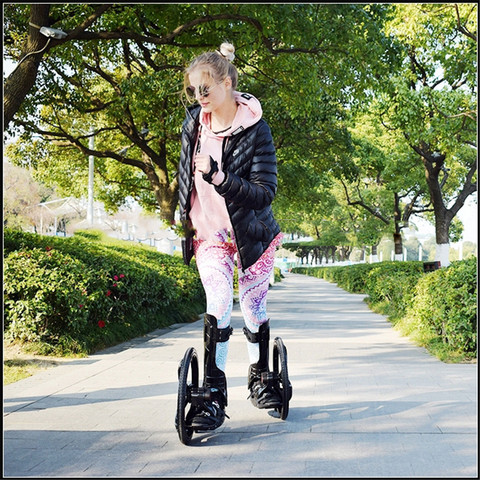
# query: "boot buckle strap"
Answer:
x=223 y=334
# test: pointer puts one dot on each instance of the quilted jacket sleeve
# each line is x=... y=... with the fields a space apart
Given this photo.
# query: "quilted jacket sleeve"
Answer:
x=251 y=176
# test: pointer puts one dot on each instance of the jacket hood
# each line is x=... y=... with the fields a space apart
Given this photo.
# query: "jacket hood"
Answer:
x=249 y=112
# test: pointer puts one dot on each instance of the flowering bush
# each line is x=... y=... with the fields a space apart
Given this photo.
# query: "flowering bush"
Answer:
x=83 y=293
x=45 y=295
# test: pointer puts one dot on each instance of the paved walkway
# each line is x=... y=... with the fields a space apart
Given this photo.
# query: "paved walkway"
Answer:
x=366 y=403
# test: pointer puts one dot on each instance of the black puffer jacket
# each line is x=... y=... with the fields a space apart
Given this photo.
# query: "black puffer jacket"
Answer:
x=250 y=184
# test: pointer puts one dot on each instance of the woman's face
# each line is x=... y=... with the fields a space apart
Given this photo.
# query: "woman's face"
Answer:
x=210 y=95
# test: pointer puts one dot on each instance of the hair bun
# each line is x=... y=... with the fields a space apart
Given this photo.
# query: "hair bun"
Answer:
x=227 y=50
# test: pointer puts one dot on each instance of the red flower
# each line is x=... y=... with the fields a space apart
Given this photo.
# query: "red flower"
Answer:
x=114 y=285
x=101 y=323
x=108 y=293
x=115 y=277
x=122 y=275
x=80 y=306
x=48 y=248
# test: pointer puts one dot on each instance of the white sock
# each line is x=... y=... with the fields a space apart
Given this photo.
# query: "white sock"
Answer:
x=221 y=355
x=253 y=352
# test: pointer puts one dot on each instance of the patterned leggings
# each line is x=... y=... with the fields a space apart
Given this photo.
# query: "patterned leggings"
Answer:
x=215 y=263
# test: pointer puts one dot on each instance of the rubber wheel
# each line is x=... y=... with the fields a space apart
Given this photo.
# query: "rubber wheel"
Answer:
x=280 y=368
x=187 y=379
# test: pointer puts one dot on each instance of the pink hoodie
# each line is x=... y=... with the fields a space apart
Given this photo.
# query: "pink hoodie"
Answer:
x=209 y=213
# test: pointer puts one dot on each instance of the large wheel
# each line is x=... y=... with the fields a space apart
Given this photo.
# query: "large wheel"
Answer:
x=280 y=368
x=187 y=379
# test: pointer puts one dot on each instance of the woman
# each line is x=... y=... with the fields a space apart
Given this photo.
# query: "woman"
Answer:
x=227 y=182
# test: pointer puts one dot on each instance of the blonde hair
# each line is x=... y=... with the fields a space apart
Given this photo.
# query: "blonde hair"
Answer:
x=216 y=65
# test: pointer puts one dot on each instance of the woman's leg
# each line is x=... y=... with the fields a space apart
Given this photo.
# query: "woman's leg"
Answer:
x=215 y=263
x=253 y=287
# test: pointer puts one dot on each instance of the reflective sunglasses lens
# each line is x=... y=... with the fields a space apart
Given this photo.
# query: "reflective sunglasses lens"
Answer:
x=203 y=91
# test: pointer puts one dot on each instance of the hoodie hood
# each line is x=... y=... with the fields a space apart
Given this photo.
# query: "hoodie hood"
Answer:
x=249 y=112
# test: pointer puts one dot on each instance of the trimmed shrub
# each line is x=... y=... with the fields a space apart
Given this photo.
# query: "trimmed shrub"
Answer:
x=86 y=292
x=392 y=284
x=445 y=301
x=44 y=294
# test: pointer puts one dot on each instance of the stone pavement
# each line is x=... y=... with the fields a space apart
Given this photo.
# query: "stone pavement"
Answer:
x=366 y=403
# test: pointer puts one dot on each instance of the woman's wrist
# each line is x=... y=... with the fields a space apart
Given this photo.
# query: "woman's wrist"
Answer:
x=218 y=178
x=213 y=171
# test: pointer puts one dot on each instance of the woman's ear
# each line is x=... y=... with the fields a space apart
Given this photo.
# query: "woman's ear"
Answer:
x=228 y=82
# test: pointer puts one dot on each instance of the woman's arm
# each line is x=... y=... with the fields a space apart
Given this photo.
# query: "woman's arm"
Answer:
x=256 y=189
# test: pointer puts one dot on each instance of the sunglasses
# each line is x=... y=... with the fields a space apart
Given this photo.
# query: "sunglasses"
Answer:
x=203 y=91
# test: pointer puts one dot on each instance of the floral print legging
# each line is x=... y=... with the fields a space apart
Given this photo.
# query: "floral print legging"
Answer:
x=215 y=263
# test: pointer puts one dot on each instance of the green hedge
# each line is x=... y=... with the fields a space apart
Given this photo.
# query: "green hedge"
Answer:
x=357 y=278
x=442 y=302
x=392 y=285
x=446 y=302
x=86 y=292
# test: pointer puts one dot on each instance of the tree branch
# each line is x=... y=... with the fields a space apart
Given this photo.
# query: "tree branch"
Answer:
x=88 y=21
x=375 y=212
x=463 y=29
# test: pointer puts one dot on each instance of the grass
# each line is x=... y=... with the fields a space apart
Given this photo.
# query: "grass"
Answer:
x=433 y=343
x=15 y=370
x=423 y=337
x=19 y=364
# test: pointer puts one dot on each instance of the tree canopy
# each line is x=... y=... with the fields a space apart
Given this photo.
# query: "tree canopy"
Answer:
x=432 y=101
x=321 y=72
x=122 y=75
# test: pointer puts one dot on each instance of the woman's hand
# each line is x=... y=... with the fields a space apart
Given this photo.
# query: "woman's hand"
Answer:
x=202 y=163
x=207 y=166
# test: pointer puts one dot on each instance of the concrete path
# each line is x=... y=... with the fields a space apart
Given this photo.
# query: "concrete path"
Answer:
x=366 y=403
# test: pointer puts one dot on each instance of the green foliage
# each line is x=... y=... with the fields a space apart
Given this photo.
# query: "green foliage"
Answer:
x=277 y=272
x=432 y=100
x=351 y=279
x=316 y=68
x=446 y=302
x=45 y=294
x=79 y=294
x=392 y=284
x=128 y=71
x=436 y=309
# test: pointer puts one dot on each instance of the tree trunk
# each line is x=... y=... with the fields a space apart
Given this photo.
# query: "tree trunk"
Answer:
x=397 y=236
x=442 y=225
x=434 y=163
x=398 y=246
x=167 y=198
x=166 y=194
x=22 y=79
x=321 y=254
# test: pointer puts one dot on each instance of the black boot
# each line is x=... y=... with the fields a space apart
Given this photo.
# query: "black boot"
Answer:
x=261 y=382
x=211 y=413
